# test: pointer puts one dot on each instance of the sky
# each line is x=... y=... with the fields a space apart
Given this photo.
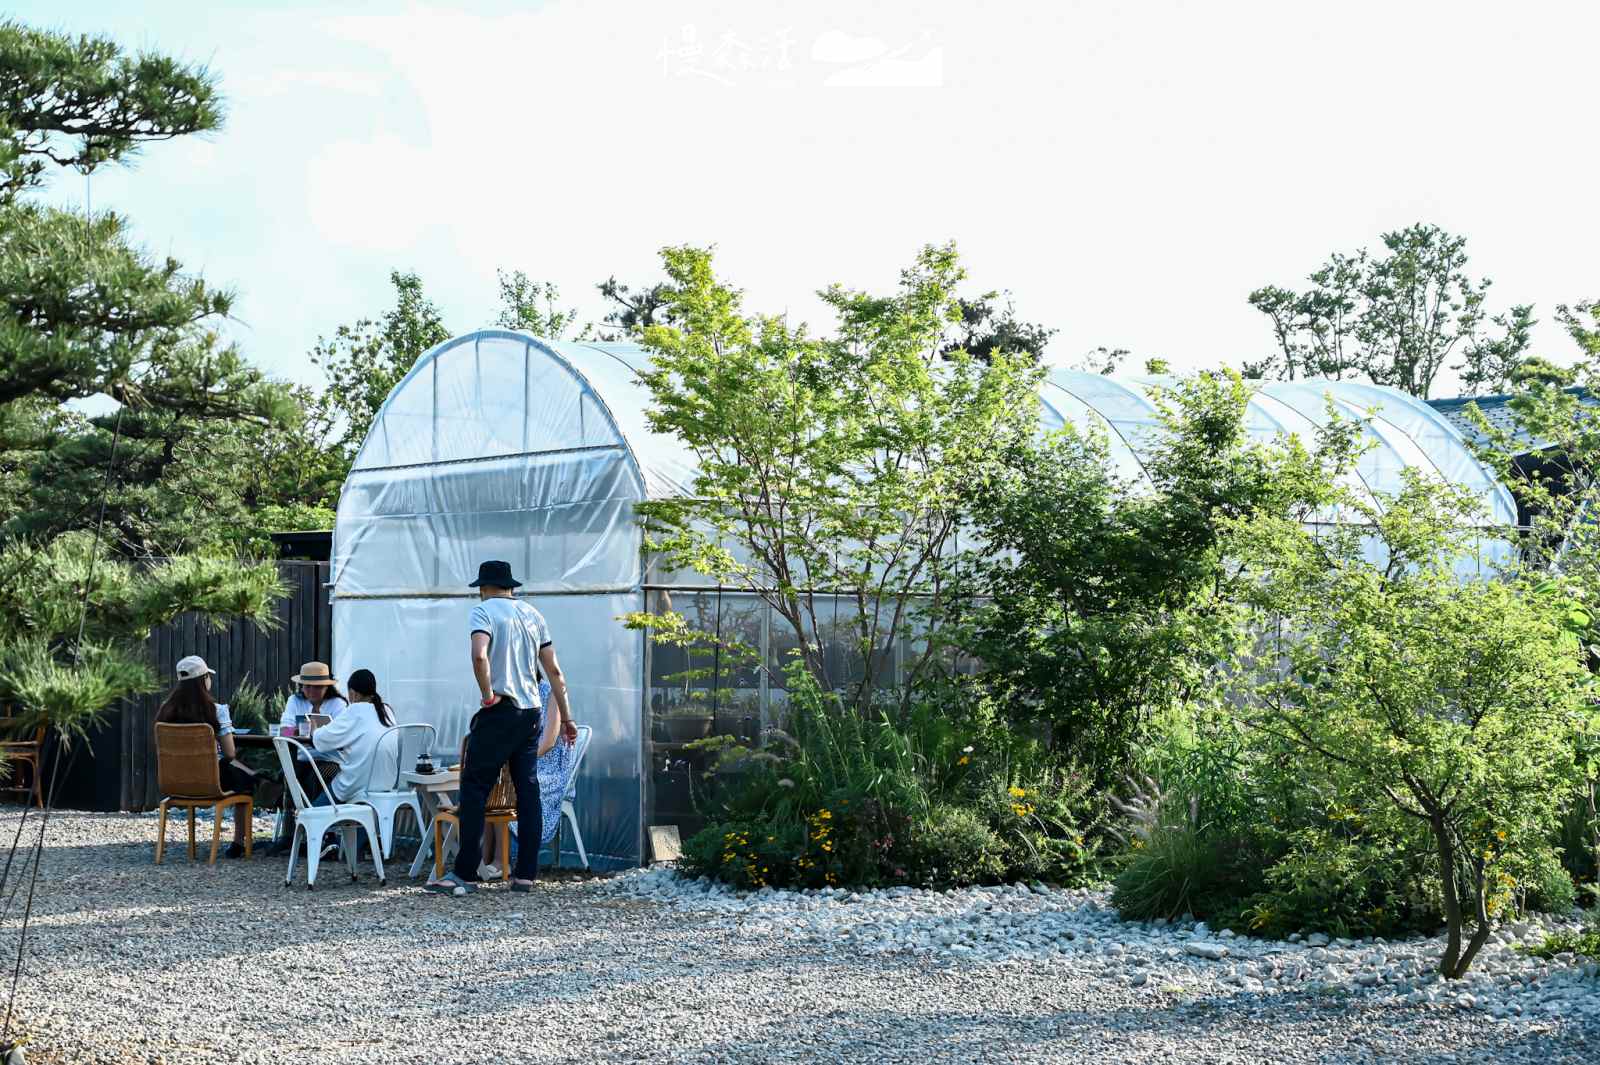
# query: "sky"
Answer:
x=1128 y=172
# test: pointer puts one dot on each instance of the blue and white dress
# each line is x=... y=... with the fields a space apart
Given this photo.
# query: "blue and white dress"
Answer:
x=555 y=775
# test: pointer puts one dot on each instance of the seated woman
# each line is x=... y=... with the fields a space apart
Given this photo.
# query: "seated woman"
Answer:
x=190 y=703
x=317 y=693
x=352 y=740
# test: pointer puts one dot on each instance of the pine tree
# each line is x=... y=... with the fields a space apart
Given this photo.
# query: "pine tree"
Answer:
x=83 y=312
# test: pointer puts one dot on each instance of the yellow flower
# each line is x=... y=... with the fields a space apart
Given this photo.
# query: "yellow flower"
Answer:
x=1018 y=793
x=1500 y=835
x=963 y=760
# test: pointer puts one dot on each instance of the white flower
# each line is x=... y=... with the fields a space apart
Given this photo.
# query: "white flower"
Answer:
x=967 y=749
x=785 y=783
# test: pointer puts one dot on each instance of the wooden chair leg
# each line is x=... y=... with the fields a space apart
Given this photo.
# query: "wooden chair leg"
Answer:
x=38 y=791
x=504 y=851
x=438 y=848
x=249 y=825
x=191 y=832
x=161 y=838
x=216 y=831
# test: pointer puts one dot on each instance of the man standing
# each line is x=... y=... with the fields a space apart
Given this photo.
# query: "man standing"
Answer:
x=510 y=643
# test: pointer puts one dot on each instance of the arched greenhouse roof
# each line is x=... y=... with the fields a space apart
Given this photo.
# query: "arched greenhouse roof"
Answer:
x=1402 y=430
x=523 y=410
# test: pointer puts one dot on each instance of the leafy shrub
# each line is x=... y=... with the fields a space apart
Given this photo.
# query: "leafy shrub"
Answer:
x=1345 y=885
x=849 y=799
x=1543 y=885
x=953 y=845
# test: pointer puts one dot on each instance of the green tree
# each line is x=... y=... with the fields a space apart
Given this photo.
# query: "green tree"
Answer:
x=171 y=471
x=1397 y=318
x=534 y=307
x=828 y=468
x=80 y=102
x=86 y=314
x=1455 y=702
x=363 y=362
x=1550 y=459
x=989 y=326
x=635 y=308
x=1097 y=605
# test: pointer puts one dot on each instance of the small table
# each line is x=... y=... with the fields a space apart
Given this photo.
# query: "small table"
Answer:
x=431 y=789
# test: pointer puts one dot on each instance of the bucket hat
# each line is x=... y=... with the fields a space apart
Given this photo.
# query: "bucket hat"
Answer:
x=495 y=575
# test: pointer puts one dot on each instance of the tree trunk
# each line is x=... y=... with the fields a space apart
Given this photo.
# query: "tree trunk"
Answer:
x=1594 y=825
x=1452 y=900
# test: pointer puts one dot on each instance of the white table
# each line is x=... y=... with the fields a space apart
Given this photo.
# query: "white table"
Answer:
x=432 y=789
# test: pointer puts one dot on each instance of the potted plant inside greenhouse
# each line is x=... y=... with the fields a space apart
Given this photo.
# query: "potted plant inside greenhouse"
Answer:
x=687 y=723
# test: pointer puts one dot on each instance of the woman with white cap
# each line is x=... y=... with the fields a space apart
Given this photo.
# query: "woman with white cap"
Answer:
x=190 y=703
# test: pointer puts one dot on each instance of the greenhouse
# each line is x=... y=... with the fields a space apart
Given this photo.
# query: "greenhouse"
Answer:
x=498 y=445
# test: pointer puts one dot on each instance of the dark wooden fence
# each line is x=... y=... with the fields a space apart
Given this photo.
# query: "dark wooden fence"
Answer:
x=116 y=770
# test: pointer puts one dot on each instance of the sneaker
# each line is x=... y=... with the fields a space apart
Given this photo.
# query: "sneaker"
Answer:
x=488 y=872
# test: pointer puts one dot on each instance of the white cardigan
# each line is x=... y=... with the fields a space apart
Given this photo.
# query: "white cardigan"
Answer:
x=352 y=738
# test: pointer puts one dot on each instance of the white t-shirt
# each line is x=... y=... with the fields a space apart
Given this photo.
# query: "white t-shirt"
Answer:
x=298 y=706
x=352 y=738
x=516 y=633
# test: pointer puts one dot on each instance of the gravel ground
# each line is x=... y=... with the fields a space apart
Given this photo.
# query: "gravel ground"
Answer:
x=128 y=962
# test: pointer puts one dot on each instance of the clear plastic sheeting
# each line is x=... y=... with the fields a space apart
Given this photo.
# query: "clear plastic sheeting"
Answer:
x=498 y=445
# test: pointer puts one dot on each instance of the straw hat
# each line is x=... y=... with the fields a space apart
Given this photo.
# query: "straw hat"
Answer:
x=314 y=674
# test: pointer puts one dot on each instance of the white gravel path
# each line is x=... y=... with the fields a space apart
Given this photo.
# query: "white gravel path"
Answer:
x=128 y=962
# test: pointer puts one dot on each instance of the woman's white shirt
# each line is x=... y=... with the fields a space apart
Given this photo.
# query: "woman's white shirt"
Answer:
x=299 y=706
x=352 y=738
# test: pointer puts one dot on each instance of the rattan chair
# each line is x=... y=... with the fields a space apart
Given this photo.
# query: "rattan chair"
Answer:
x=498 y=813
x=187 y=774
x=29 y=752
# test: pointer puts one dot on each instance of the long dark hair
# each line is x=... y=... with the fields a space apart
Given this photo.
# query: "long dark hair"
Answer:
x=190 y=703
x=364 y=684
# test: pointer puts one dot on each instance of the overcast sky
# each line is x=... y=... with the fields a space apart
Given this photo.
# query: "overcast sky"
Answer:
x=1128 y=171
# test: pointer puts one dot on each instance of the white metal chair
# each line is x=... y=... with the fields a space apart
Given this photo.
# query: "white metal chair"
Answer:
x=389 y=796
x=579 y=749
x=313 y=822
